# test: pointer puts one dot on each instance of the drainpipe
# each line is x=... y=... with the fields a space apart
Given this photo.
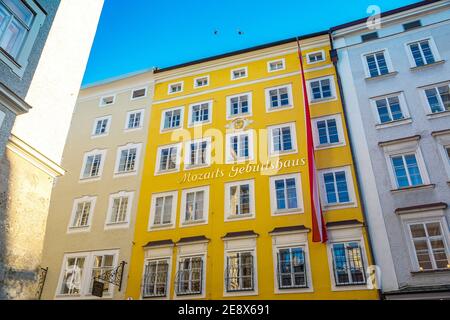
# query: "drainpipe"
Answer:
x=334 y=58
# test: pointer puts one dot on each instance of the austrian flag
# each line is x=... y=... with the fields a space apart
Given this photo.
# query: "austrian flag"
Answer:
x=318 y=221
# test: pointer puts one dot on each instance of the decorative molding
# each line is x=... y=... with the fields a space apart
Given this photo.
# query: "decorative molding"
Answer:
x=12 y=101
x=421 y=208
x=401 y=140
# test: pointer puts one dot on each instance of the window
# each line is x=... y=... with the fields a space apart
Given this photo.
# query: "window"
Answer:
x=93 y=164
x=139 y=93
x=16 y=19
x=291 y=268
x=328 y=131
x=422 y=52
x=321 y=89
x=239 y=147
x=82 y=212
x=135 y=120
x=163 y=210
x=101 y=126
x=194 y=205
x=239 y=199
x=240 y=272
x=168 y=159
x=156 y=278
x=189 y=279
x=106 y=101
x=390 y=108
x=279 y=98
x=200 y=113
x=282 y=139
x=119 y=209
x=172 y=119
x=276 y=65
x=198 y=153
x=239 y=73
x=406 y=170
x=430 y=247
x=369 y=36
x=438 y=98
x=315 y=57
x=348 y=264
x=285 y=194
x=201 y=82
x=79 y=271
x=337 y=188
x=128 y=159
x=377 y=64
x=239 y=105
x=176 y=87
x=412 y=25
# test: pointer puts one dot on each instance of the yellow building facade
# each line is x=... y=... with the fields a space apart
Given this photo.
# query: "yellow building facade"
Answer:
x=224 y=208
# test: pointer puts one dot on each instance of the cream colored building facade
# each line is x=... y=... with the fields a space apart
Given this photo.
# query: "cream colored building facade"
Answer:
x=93 y=205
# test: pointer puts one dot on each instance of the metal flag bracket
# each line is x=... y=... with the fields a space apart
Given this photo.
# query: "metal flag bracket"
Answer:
x=114 y=277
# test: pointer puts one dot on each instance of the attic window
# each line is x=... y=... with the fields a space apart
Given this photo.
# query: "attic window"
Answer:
x=105 y=101
x=369 y=36
x=176 y=87
x=139 y=93
x=412 y=25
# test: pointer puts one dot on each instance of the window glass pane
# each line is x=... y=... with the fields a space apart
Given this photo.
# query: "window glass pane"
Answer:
x=444 y=93
x=332 y=131
x=417 y=54
x=418 y=231
x=12 y=38
x=383 y=111
x=280 y=194
x=396 y=111
x=428 y=54
x=341 y=183
x=330 y=188
x=400 y=172
x=372 y=64
x=413 y=170
x=433 y=100
x=20 y=10
x=291 y=192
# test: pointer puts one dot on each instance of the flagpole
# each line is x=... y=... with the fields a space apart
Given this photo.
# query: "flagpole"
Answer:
x=318 y=221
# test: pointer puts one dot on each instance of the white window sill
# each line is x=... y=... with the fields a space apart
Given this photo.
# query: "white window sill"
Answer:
x=383 y=76
x=330 y=145
x=193 y=223
x=394 y=123
x=92 y=179
x=240 y=217
x=160 y=173
x=287 y=212
x=283 y=153
x=199 y=124
x=96 y=136
x=438 y=114
x=356 y=287
x=279 y=291
x=338 y=206
x=161 y=227
x=429 y=65
x=195 y=167
x=323 y=100
x=430 y=272
x=117 y=225
x=240 y=293
x=282 y=108
x=133 y=129
x=125 y=174
x=79 y=229
x=166 y=130
x=413 y=188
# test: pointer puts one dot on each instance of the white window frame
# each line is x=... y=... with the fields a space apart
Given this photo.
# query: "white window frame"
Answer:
x=183 y=222
x=443 y=143
x=196 y=86
x=251 y=147
x=203 y=256
x=100 y=169
x=269 y=63
x=201 y=123
x=2 y=117
x=127 y=120
x=119 y=225
x=387 y=58
x=187 y=154
x=108 y=126
x=350 y=189
x=235 y=246
x=403 y=106
x=158 y=159
x=155 y=227
x=170 y=85
x=227 y=201
x=19 y=63
x=138 y=147
x=268 y=100
x=249 y=99
x=340 y=128
x=405 y=148
x=163 y=117
x=272 y=152
x=239 y=69
x=87 y=275
x=433 y=47
x=308 y=57
x=289 y=240
x=273 y=197
x=137 y=89
x=74 y=229
x=321 y=100
x=423 y=217
x=102 y=104
x=426 y=104
x=159 y=255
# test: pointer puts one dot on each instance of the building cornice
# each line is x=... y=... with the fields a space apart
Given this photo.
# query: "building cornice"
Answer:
x=12 y=101
x=421 y=208
x=34 y=157
x=401 y=140
x=440 y=133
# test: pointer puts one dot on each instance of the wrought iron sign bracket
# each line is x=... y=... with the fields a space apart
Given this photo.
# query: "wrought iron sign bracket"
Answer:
x=113 y=276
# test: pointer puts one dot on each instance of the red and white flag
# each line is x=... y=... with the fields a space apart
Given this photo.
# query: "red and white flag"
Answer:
x=318 y=221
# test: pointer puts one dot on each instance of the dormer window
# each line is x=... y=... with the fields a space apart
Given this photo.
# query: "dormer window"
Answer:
x=201 y=82
x=106 y=101
x=239 y=73
x=139 y=93
x=176 y=87
x=315 y=57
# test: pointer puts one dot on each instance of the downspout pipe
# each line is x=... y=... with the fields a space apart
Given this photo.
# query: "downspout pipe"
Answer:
x=334 y=58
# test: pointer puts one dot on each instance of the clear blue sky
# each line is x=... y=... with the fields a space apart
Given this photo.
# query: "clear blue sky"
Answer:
x=139 y=34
